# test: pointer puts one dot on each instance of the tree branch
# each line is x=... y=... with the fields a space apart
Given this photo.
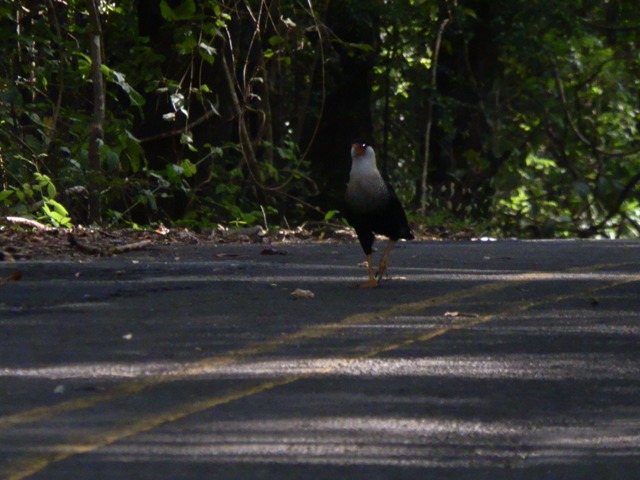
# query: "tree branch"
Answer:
x=245 y=141
x=609 y=27
x=53 y=131
x=178 y=131
x=578 y=133
x=628 y=188
x=427 y=134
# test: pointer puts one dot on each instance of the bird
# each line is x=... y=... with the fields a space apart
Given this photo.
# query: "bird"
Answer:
x=371 y=206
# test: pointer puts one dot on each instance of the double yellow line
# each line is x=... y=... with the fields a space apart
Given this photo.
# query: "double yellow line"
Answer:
x=30 y=465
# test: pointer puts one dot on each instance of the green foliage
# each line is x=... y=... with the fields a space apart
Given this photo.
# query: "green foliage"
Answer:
x=213 y=106
x=535 y=113
x=575 y=173
x=44 y=116
x=35 y=199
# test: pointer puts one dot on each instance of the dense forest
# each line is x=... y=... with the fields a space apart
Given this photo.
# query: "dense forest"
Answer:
x=514 y=117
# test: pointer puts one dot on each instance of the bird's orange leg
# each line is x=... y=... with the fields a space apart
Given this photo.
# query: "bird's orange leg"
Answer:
x=382 y=269
x=372 y=283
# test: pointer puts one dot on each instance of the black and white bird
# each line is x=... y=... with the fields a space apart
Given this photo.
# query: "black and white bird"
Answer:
x=371 y=206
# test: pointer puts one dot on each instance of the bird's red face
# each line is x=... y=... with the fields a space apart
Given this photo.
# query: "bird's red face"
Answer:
x=358 y=149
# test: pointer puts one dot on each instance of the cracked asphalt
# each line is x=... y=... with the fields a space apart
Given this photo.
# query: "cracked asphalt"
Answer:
x=477 y=360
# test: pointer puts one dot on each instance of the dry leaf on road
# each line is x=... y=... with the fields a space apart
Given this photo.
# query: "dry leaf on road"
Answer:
x=301 y=293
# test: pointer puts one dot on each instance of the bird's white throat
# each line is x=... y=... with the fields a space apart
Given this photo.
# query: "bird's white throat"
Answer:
x=366 y=190
x=364 y=164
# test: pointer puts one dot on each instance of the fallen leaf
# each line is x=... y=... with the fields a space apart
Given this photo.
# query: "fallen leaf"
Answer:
x=460 y=314
x=273 y=251
x=89 y=388
x=301 y=293
x=14 y=277
x=162 y=230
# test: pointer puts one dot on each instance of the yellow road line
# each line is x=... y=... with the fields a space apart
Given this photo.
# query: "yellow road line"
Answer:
x=136 y=386
x=28 y=466
x=192 y=368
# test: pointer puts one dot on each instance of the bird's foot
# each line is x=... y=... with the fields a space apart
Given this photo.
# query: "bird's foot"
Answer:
x=382 y=274
x=372 y=283
x=382 y=270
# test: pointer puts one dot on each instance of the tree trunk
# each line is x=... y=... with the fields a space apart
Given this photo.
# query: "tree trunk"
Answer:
x=96 y=132
x=346 y=112
x=468 y=157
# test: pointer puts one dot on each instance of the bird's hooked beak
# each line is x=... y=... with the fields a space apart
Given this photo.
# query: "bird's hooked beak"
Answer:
x=358 y=149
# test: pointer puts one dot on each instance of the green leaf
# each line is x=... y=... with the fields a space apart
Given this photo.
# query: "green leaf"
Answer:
x=110 y=158
x=330 y=214
x=132 y=150
x=150 y=199
x=188 y=168
x=166 y=11
x=173 y=172
x=41 y=179
x=119 y=79
x=57 y=207
x=188 y=43
x=185 y=11
x=207 y=52
x=51 y=190
x=4 y=194
x=275 y=40
x=470 y=13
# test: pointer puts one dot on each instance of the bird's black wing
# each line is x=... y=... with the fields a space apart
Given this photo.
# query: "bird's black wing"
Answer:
x=363 y=226
x=398 y=223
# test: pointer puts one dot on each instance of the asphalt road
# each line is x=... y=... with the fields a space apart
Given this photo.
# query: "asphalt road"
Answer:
x=479 y=360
